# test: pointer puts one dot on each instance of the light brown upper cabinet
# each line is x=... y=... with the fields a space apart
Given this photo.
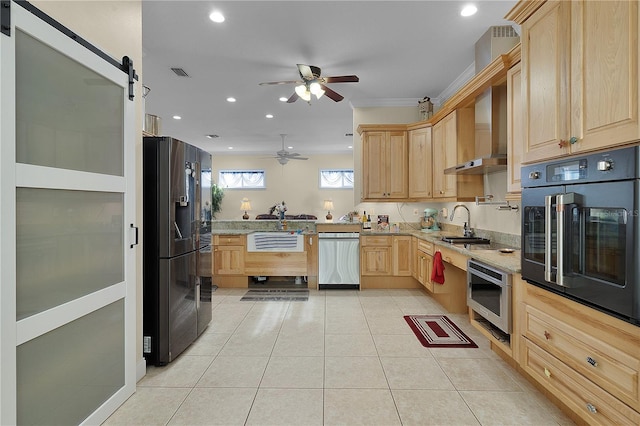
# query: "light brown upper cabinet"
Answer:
x=444 y=156
x=515 y=139
x=420 y=164
x=384 y=165
x=453 y=143
x=579 y=76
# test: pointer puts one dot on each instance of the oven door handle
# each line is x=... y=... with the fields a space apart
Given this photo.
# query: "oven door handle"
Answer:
x=564 y=201
x=560 y=221
x=548 y=205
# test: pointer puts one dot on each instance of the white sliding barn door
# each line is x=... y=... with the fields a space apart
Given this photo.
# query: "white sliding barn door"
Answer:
x=67 y=264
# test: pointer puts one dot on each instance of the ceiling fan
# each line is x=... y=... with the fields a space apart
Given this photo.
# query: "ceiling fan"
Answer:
x=313 y=83
x=283 y=156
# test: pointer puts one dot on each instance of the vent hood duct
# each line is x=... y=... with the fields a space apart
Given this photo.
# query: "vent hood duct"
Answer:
x=490 y=108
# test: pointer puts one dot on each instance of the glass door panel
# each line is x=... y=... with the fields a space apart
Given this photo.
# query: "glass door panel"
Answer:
x=71 y=369
x=67 y=116
x=605 y=242
x=69 y=244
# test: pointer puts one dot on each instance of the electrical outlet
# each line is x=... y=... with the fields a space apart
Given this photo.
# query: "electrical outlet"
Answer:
x=444 y=212
x=415 y=212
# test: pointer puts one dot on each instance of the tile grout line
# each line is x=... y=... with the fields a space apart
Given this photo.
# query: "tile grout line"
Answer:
x=192 y=388
x=382 y=365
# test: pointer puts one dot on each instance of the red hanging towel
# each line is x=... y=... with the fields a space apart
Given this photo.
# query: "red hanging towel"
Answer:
x=437 y=272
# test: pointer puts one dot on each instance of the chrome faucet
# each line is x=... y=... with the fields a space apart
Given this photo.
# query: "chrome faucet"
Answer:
x=467 y=230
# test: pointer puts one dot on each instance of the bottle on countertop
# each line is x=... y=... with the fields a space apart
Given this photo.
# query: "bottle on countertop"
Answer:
x=366 y=221
x=363 y=219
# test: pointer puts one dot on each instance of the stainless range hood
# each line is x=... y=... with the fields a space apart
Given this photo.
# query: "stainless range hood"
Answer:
x=490 y=108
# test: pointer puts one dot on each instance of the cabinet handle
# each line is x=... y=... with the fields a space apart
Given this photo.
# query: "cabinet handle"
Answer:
x=441 y=192
x=592 y=361
x=547 y=335
x=572 y=140
x=592 y=408
x=547 y=373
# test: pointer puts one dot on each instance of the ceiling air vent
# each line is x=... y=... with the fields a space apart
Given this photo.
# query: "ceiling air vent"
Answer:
x=180 y=72
x=503 y=31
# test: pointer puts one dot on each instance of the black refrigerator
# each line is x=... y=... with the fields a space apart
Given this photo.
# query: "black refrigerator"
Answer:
x=176 y=245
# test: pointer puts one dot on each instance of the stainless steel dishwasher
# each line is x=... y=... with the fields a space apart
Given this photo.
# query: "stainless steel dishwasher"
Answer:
x=338 y=260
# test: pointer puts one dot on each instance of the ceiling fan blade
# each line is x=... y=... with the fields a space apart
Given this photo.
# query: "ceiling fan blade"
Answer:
x=331 y=94
x=305 y=72
x=269 y=83
x=293 y=98
x=342 y=79
x=296 y=158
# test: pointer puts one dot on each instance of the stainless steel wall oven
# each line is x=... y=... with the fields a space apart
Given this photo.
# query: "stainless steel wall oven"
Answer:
x=580 y=229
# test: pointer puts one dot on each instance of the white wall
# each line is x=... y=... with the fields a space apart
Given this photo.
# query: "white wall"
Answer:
x=482 y=217
x=296 y=183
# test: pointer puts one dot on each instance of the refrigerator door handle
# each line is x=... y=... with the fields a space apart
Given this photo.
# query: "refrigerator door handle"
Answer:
x=133 y=236
x=198 y=295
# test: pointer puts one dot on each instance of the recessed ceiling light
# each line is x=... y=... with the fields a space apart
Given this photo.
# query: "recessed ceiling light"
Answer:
x=230 y=147
x=289 y=147
x=269 y=115
x=212 y=136
x=283 y=99
x=217 y=17
x=350 y=147
x=468 y=10
x=231 y=99
x=177 y=117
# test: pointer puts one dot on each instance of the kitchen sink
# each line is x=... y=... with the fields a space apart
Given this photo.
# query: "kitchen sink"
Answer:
x=465 y=240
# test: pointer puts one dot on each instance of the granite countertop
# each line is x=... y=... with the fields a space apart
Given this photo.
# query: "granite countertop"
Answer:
x=509 y=262
x=232 y=231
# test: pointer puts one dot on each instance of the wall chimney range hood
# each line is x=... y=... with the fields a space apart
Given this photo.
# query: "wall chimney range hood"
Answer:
x=490 y=108
x=479 y=166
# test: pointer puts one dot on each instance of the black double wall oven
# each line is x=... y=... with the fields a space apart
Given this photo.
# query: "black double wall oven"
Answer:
x=581 y=229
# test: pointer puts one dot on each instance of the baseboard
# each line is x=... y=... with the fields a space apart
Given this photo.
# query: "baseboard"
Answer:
x=141 y=369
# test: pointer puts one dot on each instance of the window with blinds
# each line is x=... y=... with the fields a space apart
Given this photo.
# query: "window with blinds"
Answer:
x=336 y=178
x=241 y=179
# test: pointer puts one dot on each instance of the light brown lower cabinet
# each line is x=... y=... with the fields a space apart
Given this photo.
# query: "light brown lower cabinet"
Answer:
x=386 y=261
x=452 y=295
x=228 y=254
x=586 y=359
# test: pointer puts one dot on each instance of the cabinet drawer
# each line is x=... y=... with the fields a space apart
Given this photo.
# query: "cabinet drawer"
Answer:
x=456 y=259
x=615 y=371
x=233 y=240
x=590 y=402
x=425 y=246
x=375 y=240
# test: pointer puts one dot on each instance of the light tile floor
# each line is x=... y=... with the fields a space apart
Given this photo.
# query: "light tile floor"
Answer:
x=341 y=358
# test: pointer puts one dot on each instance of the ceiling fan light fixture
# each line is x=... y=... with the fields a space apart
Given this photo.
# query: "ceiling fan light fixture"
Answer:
x=303 y=92
x=316 y=89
